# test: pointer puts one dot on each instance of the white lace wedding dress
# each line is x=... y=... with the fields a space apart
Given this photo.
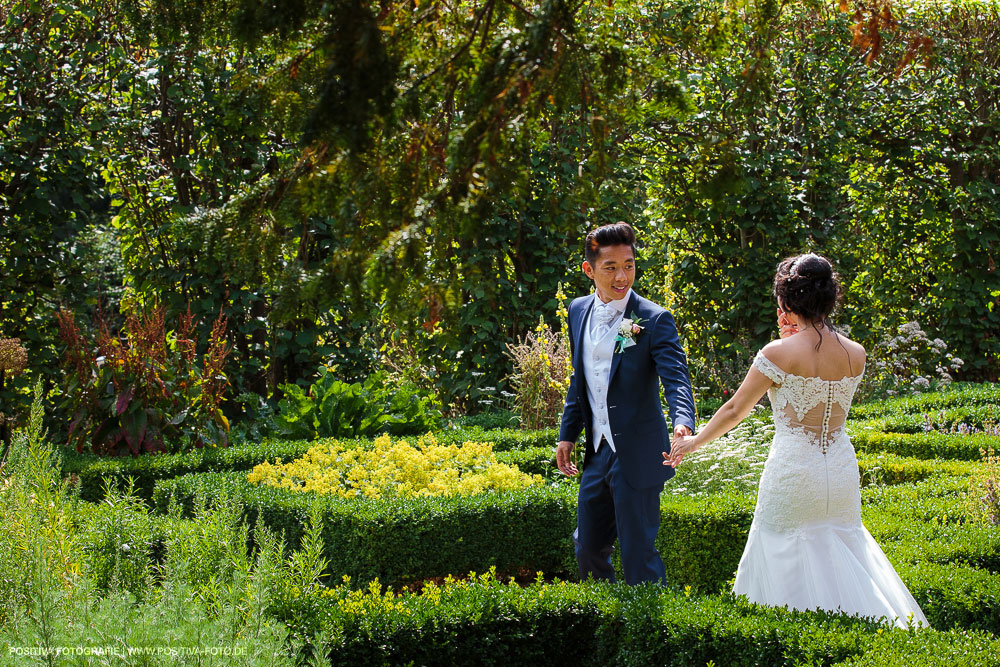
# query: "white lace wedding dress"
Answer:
x=807 y=548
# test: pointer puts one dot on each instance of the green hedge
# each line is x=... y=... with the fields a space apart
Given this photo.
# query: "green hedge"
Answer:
x=927 y=522
x=92 y=471
x=879 y=467
x=954 y=595
x=485 y=622
x=959 y=420
x=400 y=540
x=955 y=395
x=701 y=540
x=923 y=445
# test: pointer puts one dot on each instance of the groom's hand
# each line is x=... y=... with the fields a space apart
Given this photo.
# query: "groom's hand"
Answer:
x=564 y=458
x=680 y=431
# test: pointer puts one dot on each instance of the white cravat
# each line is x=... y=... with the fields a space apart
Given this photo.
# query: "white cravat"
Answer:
x=604 y=314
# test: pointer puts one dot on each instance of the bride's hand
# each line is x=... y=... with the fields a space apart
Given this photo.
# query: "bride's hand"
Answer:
x=786 y=327
x=682 y=445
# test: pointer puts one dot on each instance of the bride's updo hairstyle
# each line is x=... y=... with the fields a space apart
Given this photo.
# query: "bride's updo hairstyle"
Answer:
x=808 y=286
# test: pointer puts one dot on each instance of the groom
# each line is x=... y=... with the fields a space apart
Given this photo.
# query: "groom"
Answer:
x=623 y=348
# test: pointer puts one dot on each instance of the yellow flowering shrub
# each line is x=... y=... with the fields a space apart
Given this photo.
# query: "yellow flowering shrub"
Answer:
x=395 y=468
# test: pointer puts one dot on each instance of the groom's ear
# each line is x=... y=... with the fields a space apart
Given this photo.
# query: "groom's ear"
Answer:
x=588 y=269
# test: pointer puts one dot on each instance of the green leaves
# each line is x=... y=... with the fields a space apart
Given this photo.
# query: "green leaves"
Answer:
x=333 y=408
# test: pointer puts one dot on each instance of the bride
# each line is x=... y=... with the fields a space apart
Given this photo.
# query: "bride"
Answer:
x=807 y=548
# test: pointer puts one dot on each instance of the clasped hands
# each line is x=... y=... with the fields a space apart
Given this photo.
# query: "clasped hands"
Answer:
x=564 y=451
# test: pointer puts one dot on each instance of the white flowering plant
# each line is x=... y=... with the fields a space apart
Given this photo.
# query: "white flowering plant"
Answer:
x=908 y=361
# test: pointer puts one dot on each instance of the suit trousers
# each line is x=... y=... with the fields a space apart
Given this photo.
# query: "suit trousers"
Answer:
x=608 y=508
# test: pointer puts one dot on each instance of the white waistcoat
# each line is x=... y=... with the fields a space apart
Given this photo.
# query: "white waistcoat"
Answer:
x=597 y=355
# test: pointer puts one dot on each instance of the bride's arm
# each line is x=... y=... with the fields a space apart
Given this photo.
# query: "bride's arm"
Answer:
x=735 y=410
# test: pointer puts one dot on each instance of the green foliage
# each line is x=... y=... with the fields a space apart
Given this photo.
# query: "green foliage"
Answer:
x=331 y=408
x=704 y=539
x=879 y=467
x=984 y=492
x=401 y=540
x=959 y=420
x=542 y=370
x=954 y=595
x=144 y=390
x=91 y=472
x=491 y=419
x=58 y=66
x=908 y=362
x=598 y=624
x=957 y=394
x=732 y=463
x=805 y=139
x=929 y=446
x=117 y=541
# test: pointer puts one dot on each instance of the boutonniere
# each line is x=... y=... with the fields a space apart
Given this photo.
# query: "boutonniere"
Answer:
x=627 y=331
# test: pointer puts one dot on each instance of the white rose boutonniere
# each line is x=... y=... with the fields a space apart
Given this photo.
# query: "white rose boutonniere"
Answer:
x=627 y=331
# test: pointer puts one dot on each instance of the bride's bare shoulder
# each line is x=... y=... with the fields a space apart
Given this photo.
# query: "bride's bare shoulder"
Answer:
x=779 y=351
x=854 y=349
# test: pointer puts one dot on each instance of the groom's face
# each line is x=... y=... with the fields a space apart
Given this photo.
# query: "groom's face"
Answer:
x=613 y=271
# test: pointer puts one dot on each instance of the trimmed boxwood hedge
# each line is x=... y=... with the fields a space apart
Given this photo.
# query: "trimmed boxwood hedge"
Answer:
x=958 y=394
x=485 y=622
x=923 y=445
x=887 y=468
x=976 y=417
x=954 y=595
x=92 y=472
x=400 y=540
x=916 y=512
x=701 y=540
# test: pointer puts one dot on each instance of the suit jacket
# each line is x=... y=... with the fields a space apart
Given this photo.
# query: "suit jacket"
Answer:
x=634 y=411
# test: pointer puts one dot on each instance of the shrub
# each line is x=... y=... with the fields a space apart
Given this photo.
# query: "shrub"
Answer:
x=90 y=471
x=961 y=420
x=400 y=540
x=732 y=462
x=395 y=468
x=13 y=361
x=883 y=468
x=984 y=494
x=535 y=461
x=480 y=620
x=703 y=539
x=959 y=394
x=542 y=368
x=954 y=595
x=144 y=390
x=921 y=445
x=117 y=540
x=908 y=362
x=927 y=521
x=331 y=408
x=493 y=419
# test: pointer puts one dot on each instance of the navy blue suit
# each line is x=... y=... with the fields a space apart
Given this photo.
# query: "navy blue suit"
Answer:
x=620 y=490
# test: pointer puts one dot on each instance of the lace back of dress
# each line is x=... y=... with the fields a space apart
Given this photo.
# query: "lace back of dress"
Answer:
x=822 y=422
x=811 y=406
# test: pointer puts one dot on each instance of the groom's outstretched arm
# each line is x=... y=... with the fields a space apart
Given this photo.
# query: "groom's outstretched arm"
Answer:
x=671 y=366
x=572 y=416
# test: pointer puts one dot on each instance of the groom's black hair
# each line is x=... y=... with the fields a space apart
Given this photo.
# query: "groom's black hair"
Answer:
x=617 y=233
